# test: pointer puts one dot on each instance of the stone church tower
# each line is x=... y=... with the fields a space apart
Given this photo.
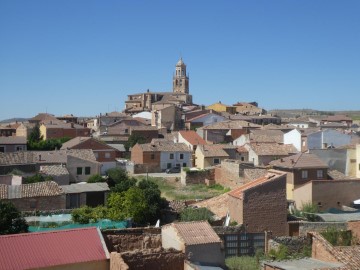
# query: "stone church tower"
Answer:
x=180 y=79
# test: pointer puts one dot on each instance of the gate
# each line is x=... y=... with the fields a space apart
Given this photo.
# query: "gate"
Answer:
x=243 y=244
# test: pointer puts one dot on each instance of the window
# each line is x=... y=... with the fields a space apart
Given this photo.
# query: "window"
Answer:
x=184 y=164
x=171 y=156
x=319 y=173
x=304 y=174
x=87 y=170
x=181 y=156
x=79 y=170
x=152 y=156
x=107 y=155
x=2 y=149
x=126 y=131
x=168 y=165
x=19 y=148
x=216 y=161
x=242 y=158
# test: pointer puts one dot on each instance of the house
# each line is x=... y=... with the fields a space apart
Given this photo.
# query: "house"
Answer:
x=293 y=137
x=104 y=153
x=22 y=161
x=7 y=130
x=162 y=154
x=219 y=107
x=225 y=131
x=64 y=249
x=261 y=154
x=90 y=194
x=197 y=240
x=24 y=129
x=340 y=119
x=190 y=138
x=12 y=144
x=120 y=128
x=261 y=205
x=58 y=129
x=205 y=119
x=300 y=168
x=146 y=132
x=328 y=138
x=43 y=117
x=40 y=196
x=260 y=136
x=245 y=108
x=168 y=117
x=212 y=154
x=58 y=173
x=328 y=194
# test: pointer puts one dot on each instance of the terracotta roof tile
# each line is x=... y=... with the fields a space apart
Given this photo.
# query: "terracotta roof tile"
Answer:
x=12 y=140
x=164 y=146
x=54 y=170
x=218 y=205
x=272 y=149
x=231 y=125
x=40 y=189
x=213 y=150
x=196 y=232
x=299 y=161
x=192 y=137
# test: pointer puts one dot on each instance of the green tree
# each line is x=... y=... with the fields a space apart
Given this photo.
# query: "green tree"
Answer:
x=115 y=204
x=36 y=178
x=119 y=180
x=11 y=221
x=35 y=135
x=134 y=139
x=95 y=178
x=196 y=214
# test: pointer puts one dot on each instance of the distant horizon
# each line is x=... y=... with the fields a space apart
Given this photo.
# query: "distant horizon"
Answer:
x=84 y=57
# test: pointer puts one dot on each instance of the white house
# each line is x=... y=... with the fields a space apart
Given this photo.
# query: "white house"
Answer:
x=293 y=137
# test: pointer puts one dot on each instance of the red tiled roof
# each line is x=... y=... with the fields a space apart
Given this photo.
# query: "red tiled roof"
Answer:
x=48 y=249
x=192 y=137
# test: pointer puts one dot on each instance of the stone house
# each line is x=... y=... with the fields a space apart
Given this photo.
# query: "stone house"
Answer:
x=341 y=119
x=328 y=193
x=168 y=117
x=261 y=154
x=12 y=144
x=190 y=138
x=225 y=131
x=24 y=129
x=261 y=205
x=58 y=129
x=22 y=161
x=245 y=108
x=58 y=173
x=197 y=240
x=40 y=196
x=300 y=169
x=90 y=194
x=7 y=130
x=74 y=249
x=260 y=136
x=257 y=119
x=104 y=153
x=43 y=117
x=162 y=154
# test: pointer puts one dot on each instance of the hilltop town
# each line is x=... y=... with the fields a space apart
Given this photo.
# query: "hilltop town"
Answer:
x=169 y=184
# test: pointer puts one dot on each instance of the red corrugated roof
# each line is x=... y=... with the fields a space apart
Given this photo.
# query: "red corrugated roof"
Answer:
x=46 y=249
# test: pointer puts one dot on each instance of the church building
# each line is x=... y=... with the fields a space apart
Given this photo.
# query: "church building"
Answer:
x=149 y=101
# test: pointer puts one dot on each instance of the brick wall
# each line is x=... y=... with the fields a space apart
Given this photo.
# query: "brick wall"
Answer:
x=154 y=259
x=40 y=203
x=197 y=177
x=322 y=250
x=132 y=239
x=354 y=226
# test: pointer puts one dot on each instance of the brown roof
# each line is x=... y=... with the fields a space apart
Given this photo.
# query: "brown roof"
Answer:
x=300 y=161
x=261 y=135
x=213 y=150
x=40 y=189
x=272 y=149
x=12 y=140
x=22 y=157
x=335 y=118
x=95 y=144
x=254 y=173
x=54 y=170
x=336 y=175
x=192 y=137
x=269 y=177
x=44 y=117
x=164 y=146
x=195 y=232
x=217 y=205
x=242 y=149
x=145 y=128
x=231 y=125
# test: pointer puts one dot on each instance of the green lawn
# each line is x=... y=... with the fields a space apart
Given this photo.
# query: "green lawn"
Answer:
x=173 y=190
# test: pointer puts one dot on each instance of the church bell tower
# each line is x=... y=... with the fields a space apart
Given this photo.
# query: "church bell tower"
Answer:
x=180 y=79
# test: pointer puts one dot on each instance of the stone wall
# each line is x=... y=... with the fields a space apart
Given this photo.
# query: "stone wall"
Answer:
x=153 y=259
x=306 y=227
x=197 y=177
x=117 y=262
x=132 y=239
x=294 y=244
x=40 y=203
x=354 y=226
x=144 y=168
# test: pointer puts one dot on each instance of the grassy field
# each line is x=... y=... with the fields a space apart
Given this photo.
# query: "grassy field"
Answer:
x=172 y=189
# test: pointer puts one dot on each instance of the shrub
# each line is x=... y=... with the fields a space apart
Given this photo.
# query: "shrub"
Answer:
x=196 y=214
x=96 y=178
x=242 y=263
x=279 y=254
x=338 y=237
x=87 y=214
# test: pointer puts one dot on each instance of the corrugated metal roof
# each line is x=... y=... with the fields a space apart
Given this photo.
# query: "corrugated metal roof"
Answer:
x=195 y=233
x=46 y=249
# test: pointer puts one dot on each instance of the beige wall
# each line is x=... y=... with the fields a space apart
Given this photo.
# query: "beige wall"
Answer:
x=236 y=209
x=302 y=195
x=330 y=193
x=170 y=239
x=199 y=159
x=289 y=186
x=73 y=163
x=352 y=165
x=43 y=131
x=117 y=262
x=208 y=253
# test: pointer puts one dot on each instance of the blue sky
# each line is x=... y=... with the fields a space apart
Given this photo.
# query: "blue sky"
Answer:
x=84 y=57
